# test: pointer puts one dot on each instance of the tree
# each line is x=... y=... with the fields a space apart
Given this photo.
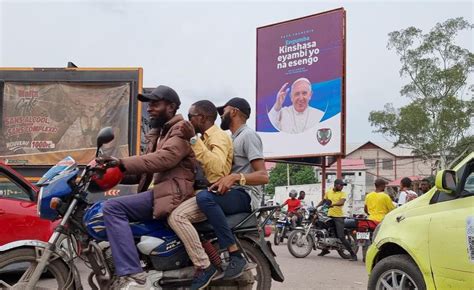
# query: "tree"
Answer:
x=299 y=174
x=437 y=69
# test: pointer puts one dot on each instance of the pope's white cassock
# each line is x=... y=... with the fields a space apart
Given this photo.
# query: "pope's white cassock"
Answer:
x=291 y=121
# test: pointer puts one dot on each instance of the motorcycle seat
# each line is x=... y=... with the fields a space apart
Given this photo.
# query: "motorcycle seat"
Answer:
x=232 y=220
x=350 y=223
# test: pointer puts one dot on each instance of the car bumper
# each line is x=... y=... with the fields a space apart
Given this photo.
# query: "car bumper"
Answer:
x=370 y=258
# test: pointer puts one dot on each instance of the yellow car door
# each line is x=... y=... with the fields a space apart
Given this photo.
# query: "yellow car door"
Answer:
x=451 y=233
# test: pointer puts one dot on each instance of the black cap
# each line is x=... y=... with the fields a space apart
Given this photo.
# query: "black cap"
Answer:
x=238 y=103
x=161 y=93
x=339 y=182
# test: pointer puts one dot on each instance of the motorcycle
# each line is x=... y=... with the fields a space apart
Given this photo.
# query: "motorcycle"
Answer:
x=63 y=195
x=364 y=235
x=320 y=233
x=283 y=227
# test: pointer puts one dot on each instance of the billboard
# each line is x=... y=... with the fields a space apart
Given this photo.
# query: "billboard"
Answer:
x=44 y=122
x=301 y=86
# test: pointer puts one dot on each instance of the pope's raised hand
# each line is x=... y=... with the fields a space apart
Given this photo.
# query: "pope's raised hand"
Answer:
x=281 y=96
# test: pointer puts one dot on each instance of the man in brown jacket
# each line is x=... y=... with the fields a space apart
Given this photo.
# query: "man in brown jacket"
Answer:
x=170 y=162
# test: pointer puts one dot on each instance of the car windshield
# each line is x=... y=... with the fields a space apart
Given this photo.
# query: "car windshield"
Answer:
x=62 y=166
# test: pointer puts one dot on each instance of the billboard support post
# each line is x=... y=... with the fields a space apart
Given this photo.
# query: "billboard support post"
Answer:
x=323 y=176
x=339 y=167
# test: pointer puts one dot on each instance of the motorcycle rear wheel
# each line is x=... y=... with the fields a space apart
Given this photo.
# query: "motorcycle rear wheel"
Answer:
x=19 y=259
x=262 y=274
x=343 y=252
x=296 y=242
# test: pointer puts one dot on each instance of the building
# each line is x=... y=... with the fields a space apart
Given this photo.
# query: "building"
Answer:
x=384 y=161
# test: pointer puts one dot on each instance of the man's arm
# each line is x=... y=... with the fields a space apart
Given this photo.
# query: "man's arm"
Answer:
x=339 y=202
x=322 y=200
x=214 y=159
x=175 y=148
x=389 y=204
x=275 y=118
x=366 y=210
x=258 y=177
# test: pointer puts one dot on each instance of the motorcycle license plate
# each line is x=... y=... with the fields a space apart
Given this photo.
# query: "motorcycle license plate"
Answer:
x=363 y=235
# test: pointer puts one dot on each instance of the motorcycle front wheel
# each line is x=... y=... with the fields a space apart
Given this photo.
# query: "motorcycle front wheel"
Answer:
x=16 y=267
x=277 y=236
x=298 y=245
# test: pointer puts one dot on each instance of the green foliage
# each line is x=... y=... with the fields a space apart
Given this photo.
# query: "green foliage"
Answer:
x=299 y=174
x=438 y=115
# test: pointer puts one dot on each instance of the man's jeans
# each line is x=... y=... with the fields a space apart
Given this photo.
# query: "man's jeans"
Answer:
x=118 y=213
x=216 y=207
x=339 y=222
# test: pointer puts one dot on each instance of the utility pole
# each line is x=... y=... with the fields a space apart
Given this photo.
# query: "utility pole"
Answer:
x=287 y=174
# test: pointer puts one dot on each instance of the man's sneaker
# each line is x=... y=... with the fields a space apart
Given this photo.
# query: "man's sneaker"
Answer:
x=127 y=282
x=235 y=268
x=323 y=252
x=353 y=257
x=203 y=277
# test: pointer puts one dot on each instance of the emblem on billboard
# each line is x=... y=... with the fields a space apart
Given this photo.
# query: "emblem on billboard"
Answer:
x=324 y=136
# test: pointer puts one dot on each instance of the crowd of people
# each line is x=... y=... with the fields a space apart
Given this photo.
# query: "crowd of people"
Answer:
x=170 y=184
x=192 y=171
x=377 y=204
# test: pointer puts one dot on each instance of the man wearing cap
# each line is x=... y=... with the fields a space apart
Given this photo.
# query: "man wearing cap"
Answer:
x=214 y=151
x=338 y=198
x=378 y=203
x=298 y=117
x=239 y=191
x=170 y=163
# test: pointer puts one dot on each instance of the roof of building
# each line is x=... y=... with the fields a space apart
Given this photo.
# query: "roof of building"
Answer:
x=269 y=165
x=349 y=164
x=386 y=146
x=396 y=182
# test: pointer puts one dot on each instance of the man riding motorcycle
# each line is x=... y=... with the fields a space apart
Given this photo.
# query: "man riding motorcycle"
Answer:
x=170 y=162
x=337 y=198
x=293 y=205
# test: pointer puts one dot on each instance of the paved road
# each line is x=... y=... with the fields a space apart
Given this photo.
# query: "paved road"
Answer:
x=313 y=272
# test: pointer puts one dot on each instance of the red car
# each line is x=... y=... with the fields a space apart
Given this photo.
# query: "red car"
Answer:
x=18 y=215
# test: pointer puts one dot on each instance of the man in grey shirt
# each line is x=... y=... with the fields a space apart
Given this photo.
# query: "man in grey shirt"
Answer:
x=240 y=191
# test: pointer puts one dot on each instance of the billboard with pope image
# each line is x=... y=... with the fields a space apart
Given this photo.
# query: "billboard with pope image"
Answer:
x=301 y=86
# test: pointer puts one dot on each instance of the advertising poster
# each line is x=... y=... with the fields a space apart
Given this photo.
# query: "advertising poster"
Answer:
x=44 y=122
x=300 y=81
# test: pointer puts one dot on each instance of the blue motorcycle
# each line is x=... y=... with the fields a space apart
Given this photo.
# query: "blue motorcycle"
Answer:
x=81 y=235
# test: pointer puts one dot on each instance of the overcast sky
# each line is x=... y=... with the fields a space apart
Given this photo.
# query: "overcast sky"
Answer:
x=207 y=49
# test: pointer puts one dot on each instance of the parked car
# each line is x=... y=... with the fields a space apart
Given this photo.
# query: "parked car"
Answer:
x=18 y=213
x=428 y=243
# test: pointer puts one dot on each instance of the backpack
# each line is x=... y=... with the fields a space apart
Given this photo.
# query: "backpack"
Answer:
x=200 y=180
x=411 y=195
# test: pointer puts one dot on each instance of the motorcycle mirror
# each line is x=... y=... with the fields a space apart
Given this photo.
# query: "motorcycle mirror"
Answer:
x=105 y=136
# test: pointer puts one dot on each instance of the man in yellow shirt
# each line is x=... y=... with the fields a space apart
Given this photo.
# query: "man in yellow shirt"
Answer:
x=214 y=151
x=338 y=198
x=378 y=203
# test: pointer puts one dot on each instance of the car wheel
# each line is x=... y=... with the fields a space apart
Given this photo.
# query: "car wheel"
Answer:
x=396 y=272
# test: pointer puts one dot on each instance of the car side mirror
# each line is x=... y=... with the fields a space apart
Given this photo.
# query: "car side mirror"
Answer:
x=446 y=181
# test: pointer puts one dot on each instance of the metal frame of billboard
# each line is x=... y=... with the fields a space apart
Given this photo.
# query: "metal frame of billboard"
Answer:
x=316 y=159
x=133 y=75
